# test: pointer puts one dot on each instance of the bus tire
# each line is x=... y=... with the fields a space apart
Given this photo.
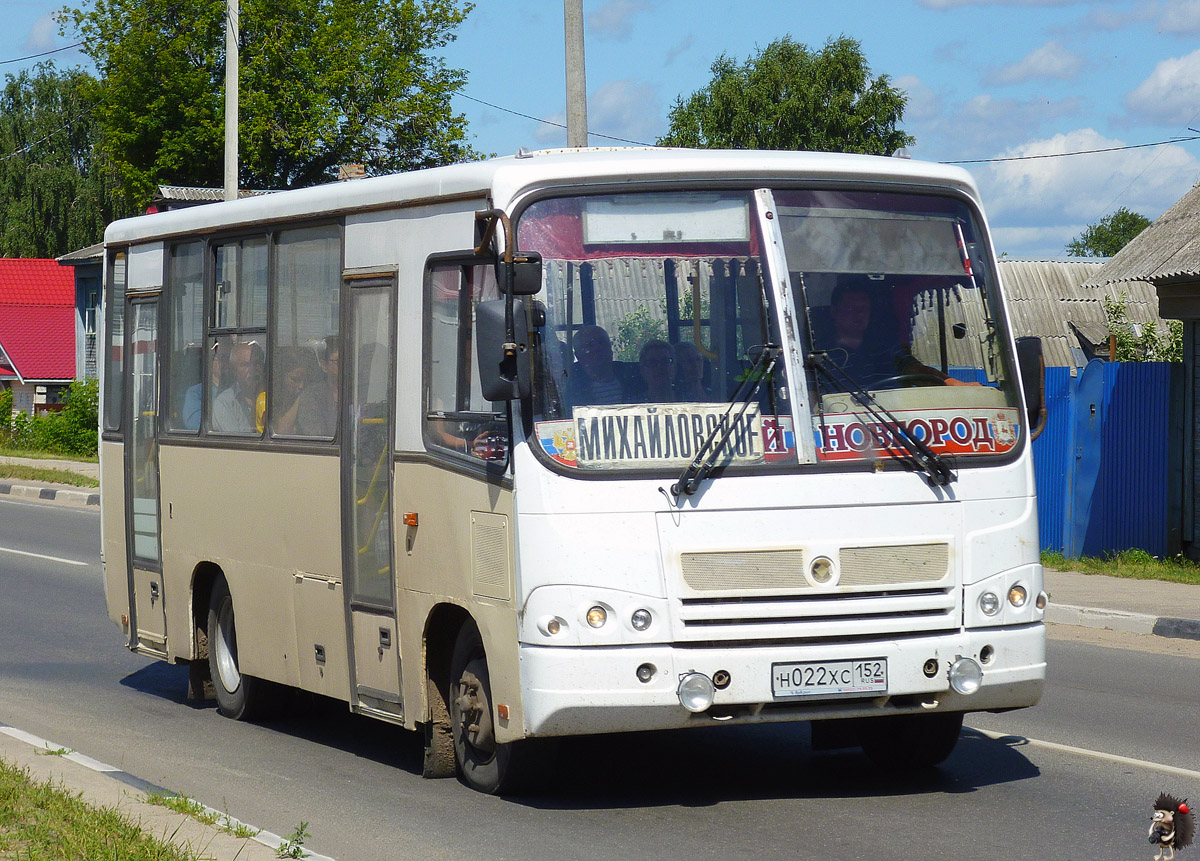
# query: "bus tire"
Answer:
x=483 y=764
x=439 y=736
x=239 y=696
x=911 y=741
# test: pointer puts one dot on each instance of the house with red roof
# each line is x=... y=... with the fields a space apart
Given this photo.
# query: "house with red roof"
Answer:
x=37 y=331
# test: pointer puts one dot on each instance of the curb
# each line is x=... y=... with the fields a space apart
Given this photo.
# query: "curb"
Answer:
x=51 y=494
x=1119 y=620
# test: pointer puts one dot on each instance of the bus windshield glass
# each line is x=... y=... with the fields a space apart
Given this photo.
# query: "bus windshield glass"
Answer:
x=656 y=311
x=900 y=308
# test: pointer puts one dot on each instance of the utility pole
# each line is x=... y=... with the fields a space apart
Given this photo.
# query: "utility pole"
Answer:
x=577 y=128
x=231 y=100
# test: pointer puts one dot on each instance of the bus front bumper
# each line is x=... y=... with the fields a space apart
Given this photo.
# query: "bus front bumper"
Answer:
x=582 y=690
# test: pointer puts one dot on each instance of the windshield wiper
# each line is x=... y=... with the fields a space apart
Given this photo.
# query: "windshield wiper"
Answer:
x=706 y=454
x=936 y=468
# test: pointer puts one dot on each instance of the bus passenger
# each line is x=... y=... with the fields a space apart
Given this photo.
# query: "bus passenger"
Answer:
x=293 y=377
x=689 y=373
x=234 y=408
x=317 y=405
x=656 y=367
x=595 y=378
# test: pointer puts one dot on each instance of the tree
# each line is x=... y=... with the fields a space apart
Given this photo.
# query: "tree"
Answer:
x=323 y=83
x=1141 y=343
x=1108 y=235
x=56 y=193
x=789 y=97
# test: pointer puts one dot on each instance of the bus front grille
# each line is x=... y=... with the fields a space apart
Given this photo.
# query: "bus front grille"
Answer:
x=784 y=570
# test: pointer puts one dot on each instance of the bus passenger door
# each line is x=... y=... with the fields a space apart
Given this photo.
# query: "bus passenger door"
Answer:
x=368 y=396
x=148 y=625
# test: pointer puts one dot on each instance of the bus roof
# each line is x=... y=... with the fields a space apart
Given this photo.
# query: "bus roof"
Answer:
x=502 y=179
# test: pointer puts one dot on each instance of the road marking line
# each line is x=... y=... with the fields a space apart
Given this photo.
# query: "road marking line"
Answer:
x=42 y=556
x=1094 y=754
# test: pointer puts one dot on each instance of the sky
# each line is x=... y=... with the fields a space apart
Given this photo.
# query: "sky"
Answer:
x=992 y=82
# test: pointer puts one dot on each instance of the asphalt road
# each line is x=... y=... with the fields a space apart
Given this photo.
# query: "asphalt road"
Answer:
x=723 y=793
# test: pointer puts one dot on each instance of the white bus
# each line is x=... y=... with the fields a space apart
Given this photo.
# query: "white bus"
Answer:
x=580 y=442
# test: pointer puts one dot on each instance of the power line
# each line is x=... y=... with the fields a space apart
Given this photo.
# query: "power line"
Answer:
x=551 y=122
x=1076 y=152
x=42 y=54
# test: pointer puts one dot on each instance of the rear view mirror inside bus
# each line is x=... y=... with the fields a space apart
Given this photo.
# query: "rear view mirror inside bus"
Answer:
x=502 y=377
x=526 y=278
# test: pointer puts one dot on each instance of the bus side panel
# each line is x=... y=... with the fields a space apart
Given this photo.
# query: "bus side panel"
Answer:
x=112 y=528
x=270 y=520
x=460 y=552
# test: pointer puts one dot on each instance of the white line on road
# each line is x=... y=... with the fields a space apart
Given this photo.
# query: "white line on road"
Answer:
x=42 y=556
x=1094 y=754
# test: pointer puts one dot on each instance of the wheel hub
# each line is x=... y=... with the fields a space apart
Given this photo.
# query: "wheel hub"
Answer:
x=475 y=712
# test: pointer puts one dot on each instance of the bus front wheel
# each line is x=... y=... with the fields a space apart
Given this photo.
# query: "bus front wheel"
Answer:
x=483 y=764
x=910 y=741
x=239 y=696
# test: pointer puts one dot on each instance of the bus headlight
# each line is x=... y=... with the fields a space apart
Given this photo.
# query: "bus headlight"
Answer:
x=696 y=692
x=640 y=620
x=989 y=603
x=965 y=676
x=1017 y=596
x=597 y=616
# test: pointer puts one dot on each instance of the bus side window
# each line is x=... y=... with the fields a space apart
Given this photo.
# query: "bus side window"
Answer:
x=185 y=283
x=457 y=417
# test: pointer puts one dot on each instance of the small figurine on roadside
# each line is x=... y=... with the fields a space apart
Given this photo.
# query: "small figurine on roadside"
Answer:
x=1172 y=827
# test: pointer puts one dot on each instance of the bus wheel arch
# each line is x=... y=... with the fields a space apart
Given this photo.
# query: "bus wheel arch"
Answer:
x=199 y=673
x=441 y=633
x=239 y=696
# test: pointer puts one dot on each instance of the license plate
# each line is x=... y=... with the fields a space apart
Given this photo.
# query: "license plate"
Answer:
x=864 y=677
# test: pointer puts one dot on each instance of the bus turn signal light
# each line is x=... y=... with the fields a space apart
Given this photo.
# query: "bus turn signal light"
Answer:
x=410 y=518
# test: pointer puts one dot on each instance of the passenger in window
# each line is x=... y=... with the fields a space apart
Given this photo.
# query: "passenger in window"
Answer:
x=656 y=368
x=294 y=373
x=234 y=409
x=595 y=378
x=317 y=405
x=689 y=373
x=194 y=396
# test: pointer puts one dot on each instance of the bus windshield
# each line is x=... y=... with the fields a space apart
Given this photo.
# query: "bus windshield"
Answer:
x=656 y=311
x=900 y=311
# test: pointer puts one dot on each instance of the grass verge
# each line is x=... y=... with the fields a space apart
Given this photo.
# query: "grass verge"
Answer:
x=196 y=810
x=1133 y=564
x=21 y=472
x=42 y=822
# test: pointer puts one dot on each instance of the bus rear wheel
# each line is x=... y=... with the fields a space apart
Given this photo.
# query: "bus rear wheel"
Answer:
x=911 y=741
x=483 y=764
x=239 y=696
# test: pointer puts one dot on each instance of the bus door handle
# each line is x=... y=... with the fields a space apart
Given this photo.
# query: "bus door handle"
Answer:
x=385 y=640
x=153 y=592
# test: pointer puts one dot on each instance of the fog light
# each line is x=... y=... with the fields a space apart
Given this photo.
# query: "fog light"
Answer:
x=640 y=620
x=965 y=676
x=821 y=569
x=1042 y=598
x=596 y=617
x=696 y=692
x=553 y=626
x=1017 y=596
x=989 y=603
x=645 y=672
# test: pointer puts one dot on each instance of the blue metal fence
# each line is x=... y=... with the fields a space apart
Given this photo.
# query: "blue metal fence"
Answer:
x=1102 y=463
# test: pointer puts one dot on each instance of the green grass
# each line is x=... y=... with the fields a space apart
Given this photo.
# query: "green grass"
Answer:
x=21 y=472
x=1133 y=564
x=196 y=810
x=42 y=822
x=37 y=454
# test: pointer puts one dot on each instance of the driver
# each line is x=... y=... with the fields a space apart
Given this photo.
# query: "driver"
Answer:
x=867 y=355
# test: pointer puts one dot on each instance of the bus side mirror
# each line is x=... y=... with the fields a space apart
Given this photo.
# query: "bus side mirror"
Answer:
x=523 y=277
x=1033 y=378
x=502 y=377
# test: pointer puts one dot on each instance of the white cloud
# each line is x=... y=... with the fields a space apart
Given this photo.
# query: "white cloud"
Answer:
x=626 y=109
x=1061 y=193
x=1171 y=95
x=43 y=36
x=549 y=135
x=615 y=18
x=1180 y=16
x=1051 y=60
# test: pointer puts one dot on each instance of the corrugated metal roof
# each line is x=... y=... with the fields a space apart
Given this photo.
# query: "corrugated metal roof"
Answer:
x=37 y=318
x=1046 y=297
x=1170 y=247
